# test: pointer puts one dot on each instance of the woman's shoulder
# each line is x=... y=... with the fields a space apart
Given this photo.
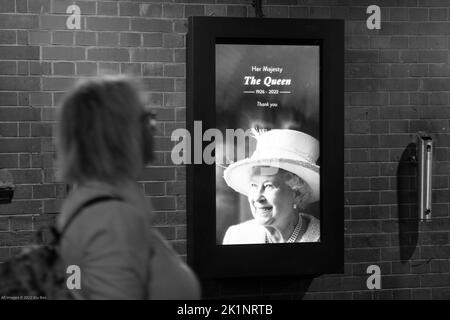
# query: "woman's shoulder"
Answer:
x=97 y=205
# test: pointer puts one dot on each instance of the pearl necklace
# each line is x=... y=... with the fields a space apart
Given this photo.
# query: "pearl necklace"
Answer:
x=294 y=235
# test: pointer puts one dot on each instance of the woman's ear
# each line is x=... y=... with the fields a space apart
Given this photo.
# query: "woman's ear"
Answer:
x=301 y=198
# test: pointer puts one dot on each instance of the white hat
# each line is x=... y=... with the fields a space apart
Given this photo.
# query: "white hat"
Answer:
x=291 y=150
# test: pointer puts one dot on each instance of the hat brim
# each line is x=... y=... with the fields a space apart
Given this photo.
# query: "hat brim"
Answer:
x=237 y=175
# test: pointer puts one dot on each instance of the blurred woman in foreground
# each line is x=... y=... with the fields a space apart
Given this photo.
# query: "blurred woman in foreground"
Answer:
x=104 y=141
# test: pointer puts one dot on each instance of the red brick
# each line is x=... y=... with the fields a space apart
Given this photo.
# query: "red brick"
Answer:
x=418 y=43
x=130 y=40
x=174 y=100
x=439 y=70
x=19 y=53
x=278 y=11
x=23 y=68
x=108 y=24
x=13 y=21
x=19 y=238
x=8 y=129
x=180 y=55
x=39 y=6
x=52 y=22
x=107 y=8
x=433 y=56
x=108 y=39
x=4 y=224
x=438 y=14
x=131 y=68
x=418 y=70
x=176 y=218
x=9 y=160
x=155 y=99
x=151 y=10
x=361 y=169
x=180 y=85
x=63 y=38
x=50 y=176
x=154 y=188
x=26 y=176
x=164 y=114
x=181 y=202
x=157 y=174
x=418 y=14
x=153 y=39
x=63 y=53
x=19 y=83
x=196 y=10
x=370 y=241
x=163 y=144
x=108 y=54
x=21 y=207
x=63 y=68
x=49 y=114
x=41 y=129
x=152 y=55
x=8 y=67
x=24 y=129
x=43 y=221
x=86 y=7
x=180 y=173
x=432 y=28
x=151 y=25
x=362 y=255
x=8 y=6
x=57 y=84
x=398 y=14
x=163 y=203
x=44 y=191
x=236 y=11
x=21 y=6
x=40 y=68
x=21 y=223
x=173 y=10
x=437 y=42
x=23 y=192
x=129 y=9
x=167 y=232
x=8 y=37
x=298 y=12
x=180 y=114
x=173 y=40
x=180 y=26
x=86 y=68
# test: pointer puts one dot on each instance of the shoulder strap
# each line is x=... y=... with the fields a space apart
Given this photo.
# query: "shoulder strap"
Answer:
x=84 y=206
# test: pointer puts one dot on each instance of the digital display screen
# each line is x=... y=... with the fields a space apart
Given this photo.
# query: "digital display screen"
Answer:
x=268 y=160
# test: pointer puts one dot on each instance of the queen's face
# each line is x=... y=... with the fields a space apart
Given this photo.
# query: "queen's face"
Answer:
x=271 y=199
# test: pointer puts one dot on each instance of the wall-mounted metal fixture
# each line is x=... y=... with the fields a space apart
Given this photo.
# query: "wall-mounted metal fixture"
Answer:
x=424 y=174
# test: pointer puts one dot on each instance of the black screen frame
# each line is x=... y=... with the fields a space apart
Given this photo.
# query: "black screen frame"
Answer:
x=210 y=260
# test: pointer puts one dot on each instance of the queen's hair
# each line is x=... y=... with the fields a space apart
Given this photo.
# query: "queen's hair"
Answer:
x=99 y=132
x=300 y=187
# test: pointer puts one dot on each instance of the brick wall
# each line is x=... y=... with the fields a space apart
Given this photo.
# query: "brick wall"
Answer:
x=397 y=83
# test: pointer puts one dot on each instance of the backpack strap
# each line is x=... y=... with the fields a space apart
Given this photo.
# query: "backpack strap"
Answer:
x=58 y=234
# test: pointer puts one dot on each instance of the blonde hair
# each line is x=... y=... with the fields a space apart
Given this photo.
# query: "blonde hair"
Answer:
x=100 y=134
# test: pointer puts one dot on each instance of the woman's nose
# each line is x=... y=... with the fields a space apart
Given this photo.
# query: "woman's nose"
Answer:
x=259 y=196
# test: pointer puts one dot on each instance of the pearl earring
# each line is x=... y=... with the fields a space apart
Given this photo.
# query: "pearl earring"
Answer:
x=294 y=206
